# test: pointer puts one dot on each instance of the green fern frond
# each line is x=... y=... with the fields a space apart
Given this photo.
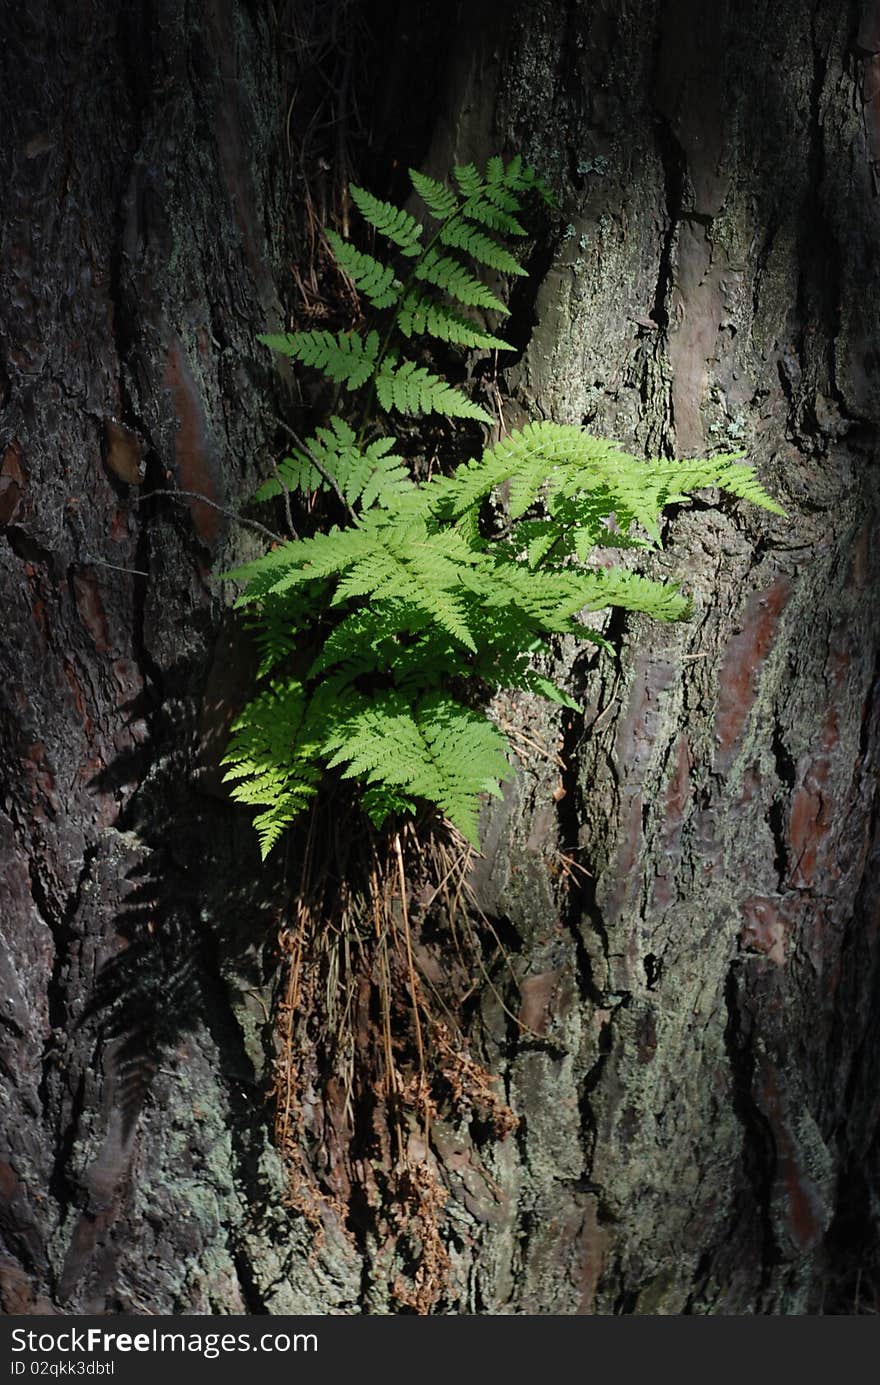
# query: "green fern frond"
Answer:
x=451 y=275
x=370 y=635
x=439 y=199
x=392 y=222
x=411 y=389
x=631 y=591
x=380 y=802
x=278 y=632
x=529 y=455
x=500 y=196
x=546 y=688
x=547 y=600
x=364 y=476
x=381 y=479
x=486 y=212
x=300 y=561
x=405 y=561
x=344 y=357
x=727 y=470
x=496 y=172
x=376 y=281
x=468 y=179
x=386 y=620
x=419 y=315
x=438 y=751
x=296 y=473
x=458 y=235
x=523 y=178
x=267 y=767
x=332 y=447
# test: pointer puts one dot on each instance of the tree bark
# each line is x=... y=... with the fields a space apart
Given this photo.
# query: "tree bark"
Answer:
x=685 y=879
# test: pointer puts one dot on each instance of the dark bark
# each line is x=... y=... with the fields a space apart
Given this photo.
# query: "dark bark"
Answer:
x=142 y=233
x=699 y=1117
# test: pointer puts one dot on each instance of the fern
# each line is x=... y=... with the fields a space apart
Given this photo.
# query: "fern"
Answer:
x=379 y=637
x=460 y=236
x=455 y=279
x=436 y=750
x=345 y=358
x=376 y=281
x=365 y=476
x=392 y=222
x=412 y=389
x=420 y=315
x=271 y=766
x=441 y=202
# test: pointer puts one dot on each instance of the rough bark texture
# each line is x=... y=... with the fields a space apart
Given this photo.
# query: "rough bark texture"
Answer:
x=699 y=1116
x=143 y=194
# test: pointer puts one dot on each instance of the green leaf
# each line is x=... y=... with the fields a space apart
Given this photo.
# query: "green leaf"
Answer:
x=392 y=222
x=440 y=200
x=344 y=357
x=487 y=211
x=460 y=236
x=271 y=765
x=412 y=389
x=438 y=751
x=450 y=275
x=468 y=179
x=419 y=315
x=376 y=281
x=371 y=476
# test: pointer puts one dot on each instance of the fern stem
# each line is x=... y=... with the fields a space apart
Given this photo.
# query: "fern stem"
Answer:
x=398 y=851
x=285 y=491
x=319 y=467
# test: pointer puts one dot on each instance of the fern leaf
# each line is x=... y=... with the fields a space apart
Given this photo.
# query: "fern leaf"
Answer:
x=277 y=631
x=376 y=281
x=488 y=213
x=548 y=600
x=523 y=455
x=469 y=181
x=300 y=561
x=330 y=446
x=392 y=222
x=618 y=586
x=440 y=200
x=727 y=471
x=419 y=315
x=458 y=235
x=546 y=688
x=365 y=477
x=267 y=767
x=404 y=562
x=523 y=178
x=450 y=275
x=345 y=357
x=375 y=476
x=438 y=751
x=380 y=802
x=370 y=635
x=495 y=171
x=388 y=481
x=412 y=389
x=296 y=473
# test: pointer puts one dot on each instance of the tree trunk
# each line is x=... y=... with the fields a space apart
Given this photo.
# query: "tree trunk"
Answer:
x=685 y=879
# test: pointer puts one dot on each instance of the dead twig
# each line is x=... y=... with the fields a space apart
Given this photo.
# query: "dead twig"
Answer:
x=197 y=495
x=318 y=465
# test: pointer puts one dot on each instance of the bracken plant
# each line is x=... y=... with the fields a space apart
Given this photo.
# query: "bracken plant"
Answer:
x=383 y=639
